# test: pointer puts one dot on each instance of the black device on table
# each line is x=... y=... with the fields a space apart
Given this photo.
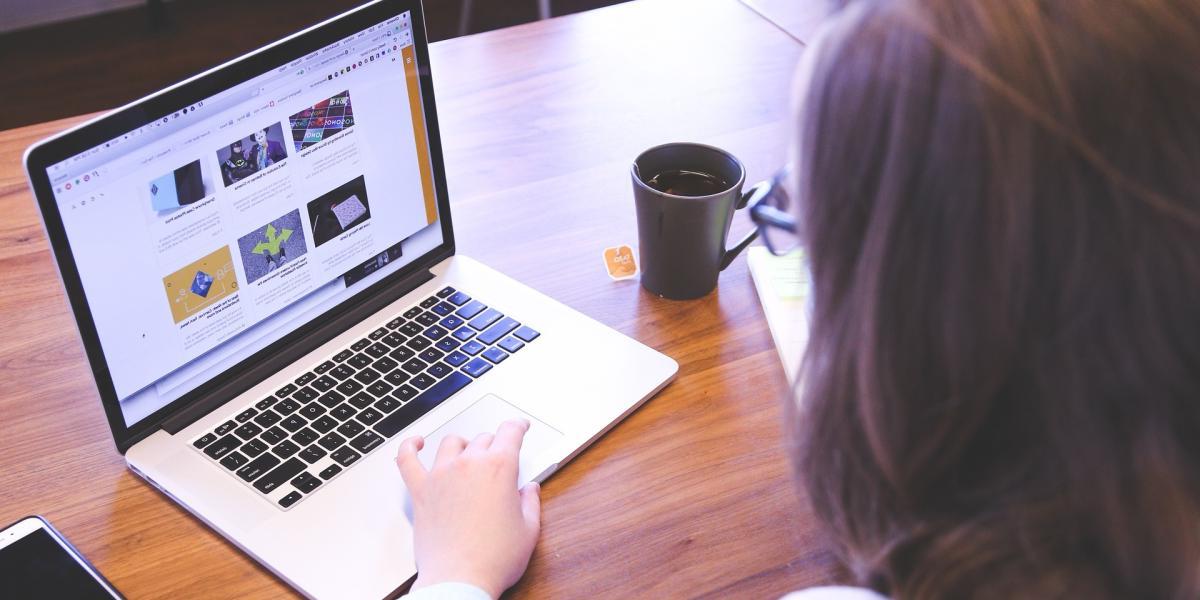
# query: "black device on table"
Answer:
x=36 y=561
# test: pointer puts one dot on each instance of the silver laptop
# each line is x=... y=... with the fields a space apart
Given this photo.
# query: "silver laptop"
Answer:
x=262 y=267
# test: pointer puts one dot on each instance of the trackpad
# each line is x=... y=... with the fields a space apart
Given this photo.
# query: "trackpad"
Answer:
x=484 y=416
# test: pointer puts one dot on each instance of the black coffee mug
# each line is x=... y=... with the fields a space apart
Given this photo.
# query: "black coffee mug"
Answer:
x=682 y=228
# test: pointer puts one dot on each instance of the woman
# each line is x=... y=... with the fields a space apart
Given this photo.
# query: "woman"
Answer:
x=1001 y=394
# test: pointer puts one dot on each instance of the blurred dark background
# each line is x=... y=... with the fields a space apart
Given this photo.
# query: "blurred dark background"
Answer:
x=105 y=60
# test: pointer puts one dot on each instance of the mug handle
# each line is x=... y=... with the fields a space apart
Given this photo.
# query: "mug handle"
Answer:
x=732 y=253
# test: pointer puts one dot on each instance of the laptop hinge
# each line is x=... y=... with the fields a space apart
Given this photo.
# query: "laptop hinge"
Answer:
x=266 y=366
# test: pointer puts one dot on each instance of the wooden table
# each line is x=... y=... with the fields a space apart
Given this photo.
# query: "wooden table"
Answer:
x=690 y=496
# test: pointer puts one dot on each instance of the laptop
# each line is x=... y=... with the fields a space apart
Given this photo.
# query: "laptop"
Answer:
x=262 y=267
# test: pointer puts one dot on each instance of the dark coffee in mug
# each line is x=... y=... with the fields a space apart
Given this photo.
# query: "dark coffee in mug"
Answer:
x=682 y=182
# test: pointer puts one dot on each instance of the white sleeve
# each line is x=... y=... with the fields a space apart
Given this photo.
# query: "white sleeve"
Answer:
x=834 y=593
x=450 y=590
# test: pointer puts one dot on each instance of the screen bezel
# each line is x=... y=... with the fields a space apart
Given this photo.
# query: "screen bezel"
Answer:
x=26 y=526
x=154 y=107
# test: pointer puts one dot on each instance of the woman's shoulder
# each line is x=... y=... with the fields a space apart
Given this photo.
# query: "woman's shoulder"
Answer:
x=834 y=593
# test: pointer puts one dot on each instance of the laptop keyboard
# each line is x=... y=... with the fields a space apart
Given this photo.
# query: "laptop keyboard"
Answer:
x=288 y=445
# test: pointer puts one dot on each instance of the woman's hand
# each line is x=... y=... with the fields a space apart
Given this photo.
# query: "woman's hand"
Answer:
x=470 y=522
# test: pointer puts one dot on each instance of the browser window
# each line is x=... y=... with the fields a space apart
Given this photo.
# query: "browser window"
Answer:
x=205 y=236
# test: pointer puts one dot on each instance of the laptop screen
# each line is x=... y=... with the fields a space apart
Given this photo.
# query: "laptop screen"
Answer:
x=206 y=235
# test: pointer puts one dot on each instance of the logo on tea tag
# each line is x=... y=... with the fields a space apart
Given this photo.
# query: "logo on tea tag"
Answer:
x=620 y=262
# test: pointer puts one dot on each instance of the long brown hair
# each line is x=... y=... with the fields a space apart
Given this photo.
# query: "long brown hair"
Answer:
x=1001 y=394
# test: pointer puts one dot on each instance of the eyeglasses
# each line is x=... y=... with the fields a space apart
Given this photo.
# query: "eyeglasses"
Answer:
x=769 y=202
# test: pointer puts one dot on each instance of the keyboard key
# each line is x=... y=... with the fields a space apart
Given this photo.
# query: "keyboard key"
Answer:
x=266 y=403
x=343 y=412
x=233 y=460
x=323 y=367
x=360 y=344
x=367 y=375
x=430 y=301
x=345 y=456
x=370 y=416
x=378 y=333
x=305 y=395
x=511 y=344
x=285 y=449
x=385 y=365
x=361 y=400
x=436 y=332
x=411 y=328
x=394 y=339
x=285 y=391
x=290 y=499
x=331 y=399
x=267 y=418
x=394 y=323
x=445 y=292
x=414 y=366
x=396 y=377
x=464 y=333
x=305 y=378
x=438 y=370
x=497 y=331
x=248 y=430
x=349 y=387
x=305 y=436
x=447 y=344
x=273 y=435
x=412 y=312
x=330 y=471
x=410 y=412
x=341 y=372
x=472 y=348
x=325 y=424
x=377 y=349
x=431 y=355
x=359 y=361
x=293 y=423
x=350 y=428
x=456 y=358
x=470 y=310
x=419 y=343
x=426 y=319
x=387 y=404
x=225 y=428
x=312 y=411
x=404 y=393
x=306 y=482
x=451 y=322
x=343 y=355
x=402 y=353
x=366 y=442
x=312 y=454
x=279 y=475
x=458 y=298
x=495 y=355
x=246 y=415
x=379 y=389
x=253 y=448
x=477 y=367
x=324 y=383
x=257 y=467
x=204 y=440
x=442 y=308
x=527 y=333
x=332 y=441
x=485 y=319
x=224 y=445
x=422 y=381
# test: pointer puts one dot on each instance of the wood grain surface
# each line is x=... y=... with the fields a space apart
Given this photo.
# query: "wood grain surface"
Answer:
x=691 y=496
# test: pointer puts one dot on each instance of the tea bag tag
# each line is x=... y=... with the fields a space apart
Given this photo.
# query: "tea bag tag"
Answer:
x=620 y=263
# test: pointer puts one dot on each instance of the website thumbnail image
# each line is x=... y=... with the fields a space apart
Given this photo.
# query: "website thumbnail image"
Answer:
x=322 y=120
x=253 y=153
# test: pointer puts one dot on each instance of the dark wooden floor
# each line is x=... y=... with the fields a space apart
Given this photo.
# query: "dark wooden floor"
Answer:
x=107 y=60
